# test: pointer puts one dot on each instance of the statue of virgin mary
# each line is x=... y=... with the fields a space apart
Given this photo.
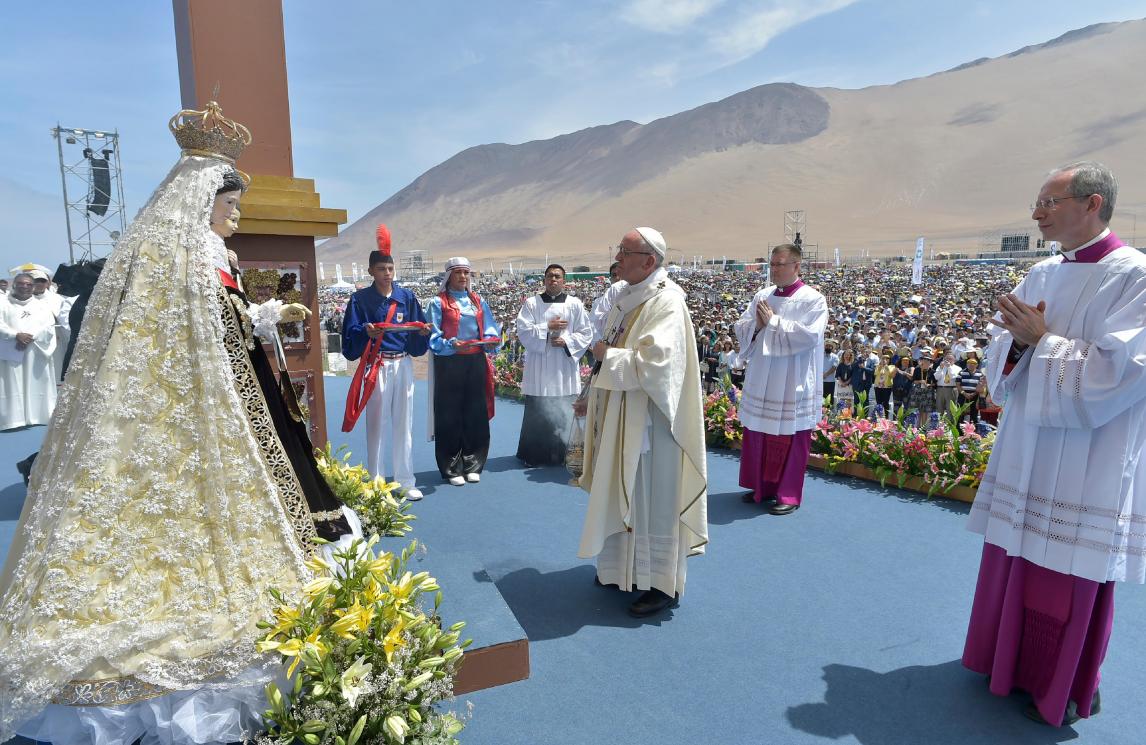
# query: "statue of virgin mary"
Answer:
x=160 y=508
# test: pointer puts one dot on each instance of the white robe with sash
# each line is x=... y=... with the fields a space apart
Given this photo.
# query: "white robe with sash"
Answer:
x=1065 y=487
x=645 y=467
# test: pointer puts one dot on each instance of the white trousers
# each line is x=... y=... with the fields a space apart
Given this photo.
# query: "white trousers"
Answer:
x=390 y=422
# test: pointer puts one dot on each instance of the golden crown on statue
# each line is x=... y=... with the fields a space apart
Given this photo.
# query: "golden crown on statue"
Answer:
x=209 y=133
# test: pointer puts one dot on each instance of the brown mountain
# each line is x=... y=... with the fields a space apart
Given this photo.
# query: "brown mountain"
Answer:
x=955 y=156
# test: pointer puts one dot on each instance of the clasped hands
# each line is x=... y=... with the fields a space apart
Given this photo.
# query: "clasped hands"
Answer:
x=764 y=314
x=1026 y=323
x=23 y=340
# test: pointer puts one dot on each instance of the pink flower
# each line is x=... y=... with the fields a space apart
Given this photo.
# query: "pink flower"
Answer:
x=864 y=425
x=967 y=428
x=937 y=432
x=883 y=425
x=824 y=426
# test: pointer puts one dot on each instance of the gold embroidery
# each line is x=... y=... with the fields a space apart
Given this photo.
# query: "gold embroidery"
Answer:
x=271 y=449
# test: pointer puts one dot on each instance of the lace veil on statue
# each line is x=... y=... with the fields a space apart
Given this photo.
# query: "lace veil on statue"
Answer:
x=152 y=527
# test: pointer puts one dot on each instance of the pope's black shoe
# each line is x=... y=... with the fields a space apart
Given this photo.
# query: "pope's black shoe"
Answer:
x=652 y=602
x=1070 y=717
x=783 y=509
x=749 y=497
x=25 y=467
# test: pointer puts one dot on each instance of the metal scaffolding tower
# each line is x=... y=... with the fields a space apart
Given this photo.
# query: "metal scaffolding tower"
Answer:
x=416 y=265
x=92 y=178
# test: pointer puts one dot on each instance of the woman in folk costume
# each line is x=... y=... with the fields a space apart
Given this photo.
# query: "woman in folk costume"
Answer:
x=461 y=405
x=155 y=519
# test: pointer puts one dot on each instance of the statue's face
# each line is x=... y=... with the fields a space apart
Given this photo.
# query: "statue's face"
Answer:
x=225 y=213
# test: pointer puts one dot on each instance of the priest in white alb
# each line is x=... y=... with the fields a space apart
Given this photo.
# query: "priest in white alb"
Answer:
x=781 y=337
x=27 y=367
x=554 y=328
x=645 y=467
x=603 y=304
x=1062 y=505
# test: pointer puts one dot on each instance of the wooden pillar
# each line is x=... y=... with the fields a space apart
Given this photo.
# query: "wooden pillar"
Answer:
x=234 y=53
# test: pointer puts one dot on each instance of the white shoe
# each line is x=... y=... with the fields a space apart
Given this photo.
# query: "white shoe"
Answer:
x=473 y=478
x=413 y=495
x=457 y=481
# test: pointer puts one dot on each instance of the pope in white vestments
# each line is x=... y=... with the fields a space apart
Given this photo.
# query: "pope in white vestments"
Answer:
x=555 y=331
x=1062 y=505
x=781 y=337
x=645 y=467
x=27 y=365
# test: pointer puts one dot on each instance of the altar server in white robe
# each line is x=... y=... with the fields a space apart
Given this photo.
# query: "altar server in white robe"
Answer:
x=645 y=465
x=555 y=331
x=61 y=305
x=1062 y=505
x=27 y=368
x=602 y=305
x=781 y=337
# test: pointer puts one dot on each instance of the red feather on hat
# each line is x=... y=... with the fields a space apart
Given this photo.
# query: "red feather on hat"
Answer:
x=383 y=237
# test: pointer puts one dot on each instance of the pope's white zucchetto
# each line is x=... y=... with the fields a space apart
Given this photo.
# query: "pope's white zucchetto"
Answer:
x=655 y=240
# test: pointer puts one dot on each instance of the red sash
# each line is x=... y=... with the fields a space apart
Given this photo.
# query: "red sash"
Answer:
x=451 y=322
x=365 y=378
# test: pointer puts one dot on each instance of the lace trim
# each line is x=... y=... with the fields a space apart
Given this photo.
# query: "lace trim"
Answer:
x=327 y=516
x=109 y=692
x=262 y=426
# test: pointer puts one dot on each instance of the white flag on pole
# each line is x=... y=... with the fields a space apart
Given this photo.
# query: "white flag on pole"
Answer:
x=338 y=272
x=1054 y=247
x=837 y=257
x=321 y=274
x=917 y=269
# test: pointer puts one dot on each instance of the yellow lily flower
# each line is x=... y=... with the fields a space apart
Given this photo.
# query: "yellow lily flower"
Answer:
x=317 y=586
x=393 y=639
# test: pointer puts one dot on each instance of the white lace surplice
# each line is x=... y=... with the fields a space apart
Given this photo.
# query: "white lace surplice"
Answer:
x=152 y=526
x=1065 y=487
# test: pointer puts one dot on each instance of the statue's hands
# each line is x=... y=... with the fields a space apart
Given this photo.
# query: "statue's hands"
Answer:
x=580 y=407
x=232 y=259
x=293 y=313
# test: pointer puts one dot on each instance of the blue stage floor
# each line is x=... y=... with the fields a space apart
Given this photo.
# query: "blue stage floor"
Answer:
x=841 y=623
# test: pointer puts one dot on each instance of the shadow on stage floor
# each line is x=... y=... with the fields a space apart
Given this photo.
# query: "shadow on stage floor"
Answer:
x=942 y=704
x=553 y=605
x=12 y=501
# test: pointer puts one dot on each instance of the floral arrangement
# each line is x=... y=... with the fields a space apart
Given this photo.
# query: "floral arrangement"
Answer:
x=945 y=453
x=373 y=500
x=722 y=426
x=366 y=661
x=507 y=372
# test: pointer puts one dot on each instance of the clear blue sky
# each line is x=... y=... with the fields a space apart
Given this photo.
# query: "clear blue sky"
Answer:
x=382 y=91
